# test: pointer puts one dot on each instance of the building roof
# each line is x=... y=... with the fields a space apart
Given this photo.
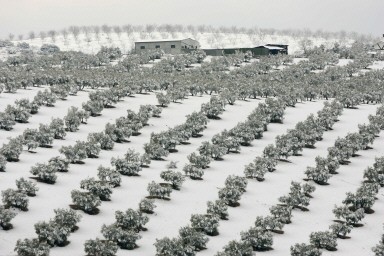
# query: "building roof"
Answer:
x=277 y=44
x=164 y=40
x=270 y=47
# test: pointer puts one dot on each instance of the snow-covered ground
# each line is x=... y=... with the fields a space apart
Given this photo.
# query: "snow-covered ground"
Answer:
x=192 y=198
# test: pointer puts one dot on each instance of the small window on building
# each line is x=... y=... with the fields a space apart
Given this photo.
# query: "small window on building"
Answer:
x=142 y=47
x=173 y=46
x=157 y=46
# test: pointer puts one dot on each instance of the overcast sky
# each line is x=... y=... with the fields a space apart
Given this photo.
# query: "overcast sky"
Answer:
x=363 y=16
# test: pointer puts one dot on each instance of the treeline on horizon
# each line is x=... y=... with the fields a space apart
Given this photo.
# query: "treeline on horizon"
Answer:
x=148 y=30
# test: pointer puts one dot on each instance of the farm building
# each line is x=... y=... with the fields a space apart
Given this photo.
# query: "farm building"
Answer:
x=268 y=49
x=175 y=46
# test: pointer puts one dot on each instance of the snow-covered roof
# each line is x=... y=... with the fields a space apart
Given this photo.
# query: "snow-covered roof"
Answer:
x=164 y=40
x=273 y=47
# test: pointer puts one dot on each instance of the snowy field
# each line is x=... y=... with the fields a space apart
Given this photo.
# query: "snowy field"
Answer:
x=170 y=215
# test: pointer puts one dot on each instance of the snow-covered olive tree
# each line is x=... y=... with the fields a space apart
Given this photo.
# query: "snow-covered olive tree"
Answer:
x=6 y=215
x=15 y=198
x=147 y=205
x=99 y=247
x=130 y=165
x=27 y=186
x=323 y=240
x=28 y=247
x=102 y=189
x=159 y=190
x=44 y=172
x=86 y=201
x=125 y=239
x=175 y=178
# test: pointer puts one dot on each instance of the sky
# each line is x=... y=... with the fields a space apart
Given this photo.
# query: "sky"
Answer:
x=362 y=16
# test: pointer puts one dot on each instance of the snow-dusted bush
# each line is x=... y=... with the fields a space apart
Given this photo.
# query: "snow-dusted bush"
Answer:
x=175 y=178
x=236 y=181
x=12 y=150
x=46 y=98
x=211 y=150
x=231 y=195
x=193 y=172
x=145 y=160
x=218 y=208
x=323 y=240
x=129 y=165
x=27 y=186
x=157 y=190
x=59 y=164
x=98 y=247
x=155 y=150
x=92 y=150
x=196 y=122
x=205 y=223
x=117 y=134
x=109 y=175
x=86 y=201
x=102 y=189
x=44 y=172
x=225 y=140
x=259 y=167
x=73 y=119
x=51 y=233
x=240 y=248
x=190 y=237
x=125 y=239
x=243 y=132
x=163 y=99
x=49 y=48
x=213 y=108
x=147 y=205
x=66 y=218
x=30 y=138
x=7 y=121
x=282 y=213
x=109 y=53
x=57 y=128
x=31 y=247
x=3 y=163
x=258 y=238
x=131 y=220
x=15 y=198
x=104 y=140
x=94 y=108
x=298 y=197
x=304 y=250
x=199 y=161
x=6 y=216
x=379 y=248
x=340 y=229
x=348 y=216
x=269 y=223
x=74 y=154
x=172 y=247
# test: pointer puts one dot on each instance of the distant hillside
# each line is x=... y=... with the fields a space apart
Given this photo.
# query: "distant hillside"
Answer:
x=90 y=39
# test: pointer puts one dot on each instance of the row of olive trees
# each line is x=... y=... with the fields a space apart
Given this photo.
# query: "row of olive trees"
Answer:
x=240 y=135
x=207 y=224
x=260 y=237
x=345 y=148
x=348 y=215
x=55 y=232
